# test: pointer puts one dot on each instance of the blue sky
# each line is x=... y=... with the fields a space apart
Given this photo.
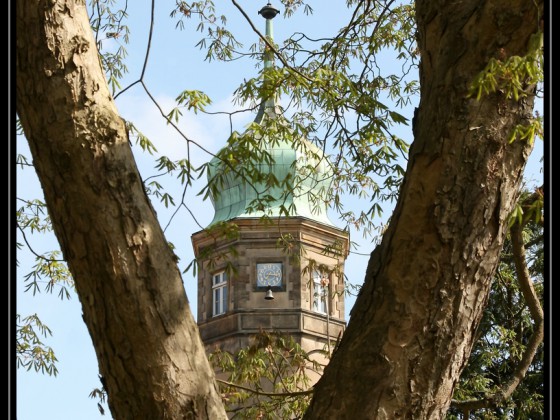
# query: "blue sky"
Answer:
x=175 y=64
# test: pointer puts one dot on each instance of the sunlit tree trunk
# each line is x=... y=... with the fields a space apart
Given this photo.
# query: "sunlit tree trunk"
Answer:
x=150 y=355
x=412 y=327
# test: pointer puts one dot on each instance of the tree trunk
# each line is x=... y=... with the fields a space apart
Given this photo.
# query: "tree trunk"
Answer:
x=426 y=286
x=134 y=305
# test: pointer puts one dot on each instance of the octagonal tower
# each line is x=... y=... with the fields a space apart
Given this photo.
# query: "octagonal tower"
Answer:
x=248 y=282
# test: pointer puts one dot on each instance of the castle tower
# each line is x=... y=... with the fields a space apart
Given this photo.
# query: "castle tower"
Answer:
x=247 y=282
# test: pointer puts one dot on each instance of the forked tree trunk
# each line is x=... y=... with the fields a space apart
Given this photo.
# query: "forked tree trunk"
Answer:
x=133 y=301
x=412 y=327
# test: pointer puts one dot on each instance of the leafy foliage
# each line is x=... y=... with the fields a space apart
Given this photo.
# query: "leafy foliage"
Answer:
x=101 y=395
x=331 y=84
x=52 y=272
x=49 y=268
x=109 y=28
x=32 y=214
x=31 y=352
x=270 y=379
x=514 y=76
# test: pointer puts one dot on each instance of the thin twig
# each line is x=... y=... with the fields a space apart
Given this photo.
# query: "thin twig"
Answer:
x=31 y=249
x=270 y=45
x=266 y=394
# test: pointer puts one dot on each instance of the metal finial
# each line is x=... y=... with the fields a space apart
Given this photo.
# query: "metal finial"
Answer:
x=268 y=105
x=268 y=12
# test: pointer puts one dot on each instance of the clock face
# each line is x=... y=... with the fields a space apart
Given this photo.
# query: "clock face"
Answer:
x=269 y=275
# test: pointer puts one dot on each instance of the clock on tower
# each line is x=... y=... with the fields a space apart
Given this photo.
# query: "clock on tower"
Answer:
x=269 y=275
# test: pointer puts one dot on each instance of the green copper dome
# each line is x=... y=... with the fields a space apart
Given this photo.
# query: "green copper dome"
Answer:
x=236 y=194
x=309 y=172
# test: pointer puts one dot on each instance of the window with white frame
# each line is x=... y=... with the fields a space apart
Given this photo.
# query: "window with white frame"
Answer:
x=219 y=293
x=320 y=292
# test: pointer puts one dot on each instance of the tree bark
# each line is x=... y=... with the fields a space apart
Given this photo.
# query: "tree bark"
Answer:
x=413 y=325
x=426 y=285
x=531 y=348
x=150 y=355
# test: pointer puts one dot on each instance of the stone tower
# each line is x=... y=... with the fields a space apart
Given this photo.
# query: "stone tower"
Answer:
x=246 y=281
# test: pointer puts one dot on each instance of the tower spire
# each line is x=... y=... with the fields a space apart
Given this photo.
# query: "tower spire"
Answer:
x=268 y=106
x=269 y=13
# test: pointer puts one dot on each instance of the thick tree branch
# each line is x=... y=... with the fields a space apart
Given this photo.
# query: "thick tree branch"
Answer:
x=535 y=308
x=125 y=273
